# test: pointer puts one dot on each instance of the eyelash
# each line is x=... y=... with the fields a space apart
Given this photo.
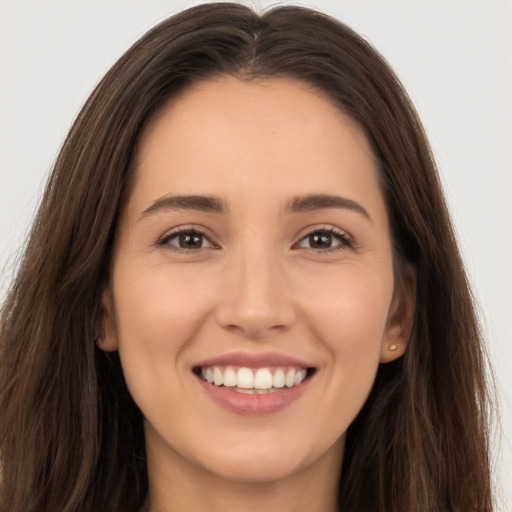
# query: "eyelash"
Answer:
x=164 y=241
x=345 y=241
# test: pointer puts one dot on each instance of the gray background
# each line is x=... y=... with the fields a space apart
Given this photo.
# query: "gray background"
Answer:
x=454 y=58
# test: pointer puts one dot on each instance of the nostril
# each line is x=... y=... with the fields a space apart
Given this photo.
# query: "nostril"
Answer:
x=255 y=313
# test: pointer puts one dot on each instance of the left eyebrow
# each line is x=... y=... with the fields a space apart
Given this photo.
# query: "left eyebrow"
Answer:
x=177 y=203
x=322 y=201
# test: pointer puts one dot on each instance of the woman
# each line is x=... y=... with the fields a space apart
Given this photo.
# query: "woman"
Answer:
x=242 y=289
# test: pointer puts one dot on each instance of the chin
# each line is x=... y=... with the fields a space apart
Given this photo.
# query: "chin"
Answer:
x=262 y=470
x=270 y=460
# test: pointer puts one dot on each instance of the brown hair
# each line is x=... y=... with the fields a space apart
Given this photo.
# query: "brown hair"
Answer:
x=71 y=438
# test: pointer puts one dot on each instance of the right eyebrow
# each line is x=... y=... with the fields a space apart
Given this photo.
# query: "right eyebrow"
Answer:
x=198 y=203
x=314 y=202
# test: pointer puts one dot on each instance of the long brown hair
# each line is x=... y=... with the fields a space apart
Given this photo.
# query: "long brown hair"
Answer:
x=71 y=438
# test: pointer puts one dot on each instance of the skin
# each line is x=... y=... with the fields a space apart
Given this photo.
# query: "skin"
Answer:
x=255 y=284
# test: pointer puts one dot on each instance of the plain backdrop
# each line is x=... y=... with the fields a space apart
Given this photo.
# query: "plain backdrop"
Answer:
x=454 y=58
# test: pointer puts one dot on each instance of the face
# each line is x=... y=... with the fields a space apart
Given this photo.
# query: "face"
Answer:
x=252 y=291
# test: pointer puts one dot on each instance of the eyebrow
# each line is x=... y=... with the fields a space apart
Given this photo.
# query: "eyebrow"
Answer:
x=322 y=201
x=177 y=203
x=301 y=204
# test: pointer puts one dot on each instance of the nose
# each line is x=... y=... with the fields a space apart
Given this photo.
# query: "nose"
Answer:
x=255 y=299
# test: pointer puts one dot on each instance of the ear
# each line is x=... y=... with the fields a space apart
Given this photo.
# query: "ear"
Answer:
x=400 y=319
x=107 y=329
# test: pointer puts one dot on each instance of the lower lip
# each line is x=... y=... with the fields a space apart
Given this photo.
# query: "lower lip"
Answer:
x=253 y=405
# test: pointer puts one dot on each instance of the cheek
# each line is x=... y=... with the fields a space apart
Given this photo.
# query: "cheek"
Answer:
x=350 y=309
x=157 y=315
x=349 y=320
x=159 y=305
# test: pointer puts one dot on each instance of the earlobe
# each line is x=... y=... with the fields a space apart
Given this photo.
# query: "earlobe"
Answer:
x=392 y=351
x=107 y=329
x=401 y=318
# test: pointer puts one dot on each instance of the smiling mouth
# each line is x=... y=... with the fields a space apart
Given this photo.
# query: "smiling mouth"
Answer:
x=246 y=380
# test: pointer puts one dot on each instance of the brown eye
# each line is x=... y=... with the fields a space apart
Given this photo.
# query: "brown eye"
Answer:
x=186 y=240
x=325 y=239
x=190 y=240
x=320 y=240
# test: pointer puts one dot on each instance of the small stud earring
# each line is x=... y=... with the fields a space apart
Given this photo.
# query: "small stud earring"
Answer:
x=392 y=347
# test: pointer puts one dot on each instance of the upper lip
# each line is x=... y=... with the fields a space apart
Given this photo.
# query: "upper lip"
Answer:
x=253 y=360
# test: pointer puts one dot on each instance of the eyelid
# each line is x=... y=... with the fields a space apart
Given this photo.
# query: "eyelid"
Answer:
x=346 y=240
x=186 y=228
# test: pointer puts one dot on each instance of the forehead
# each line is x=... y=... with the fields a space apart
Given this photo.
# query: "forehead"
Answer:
x=275 y=136
x=272 y=105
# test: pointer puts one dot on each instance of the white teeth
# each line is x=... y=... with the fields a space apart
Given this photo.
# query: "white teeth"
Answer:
x=299 y=377
x=229 y=378
x=254 y=391
x=278 y=378
x=217 y=376
x=263 y=379
x=245 y=378
x=290 y=378
x=245 y=391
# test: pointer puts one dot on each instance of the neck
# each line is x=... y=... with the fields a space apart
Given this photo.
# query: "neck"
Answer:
x=182 y=487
